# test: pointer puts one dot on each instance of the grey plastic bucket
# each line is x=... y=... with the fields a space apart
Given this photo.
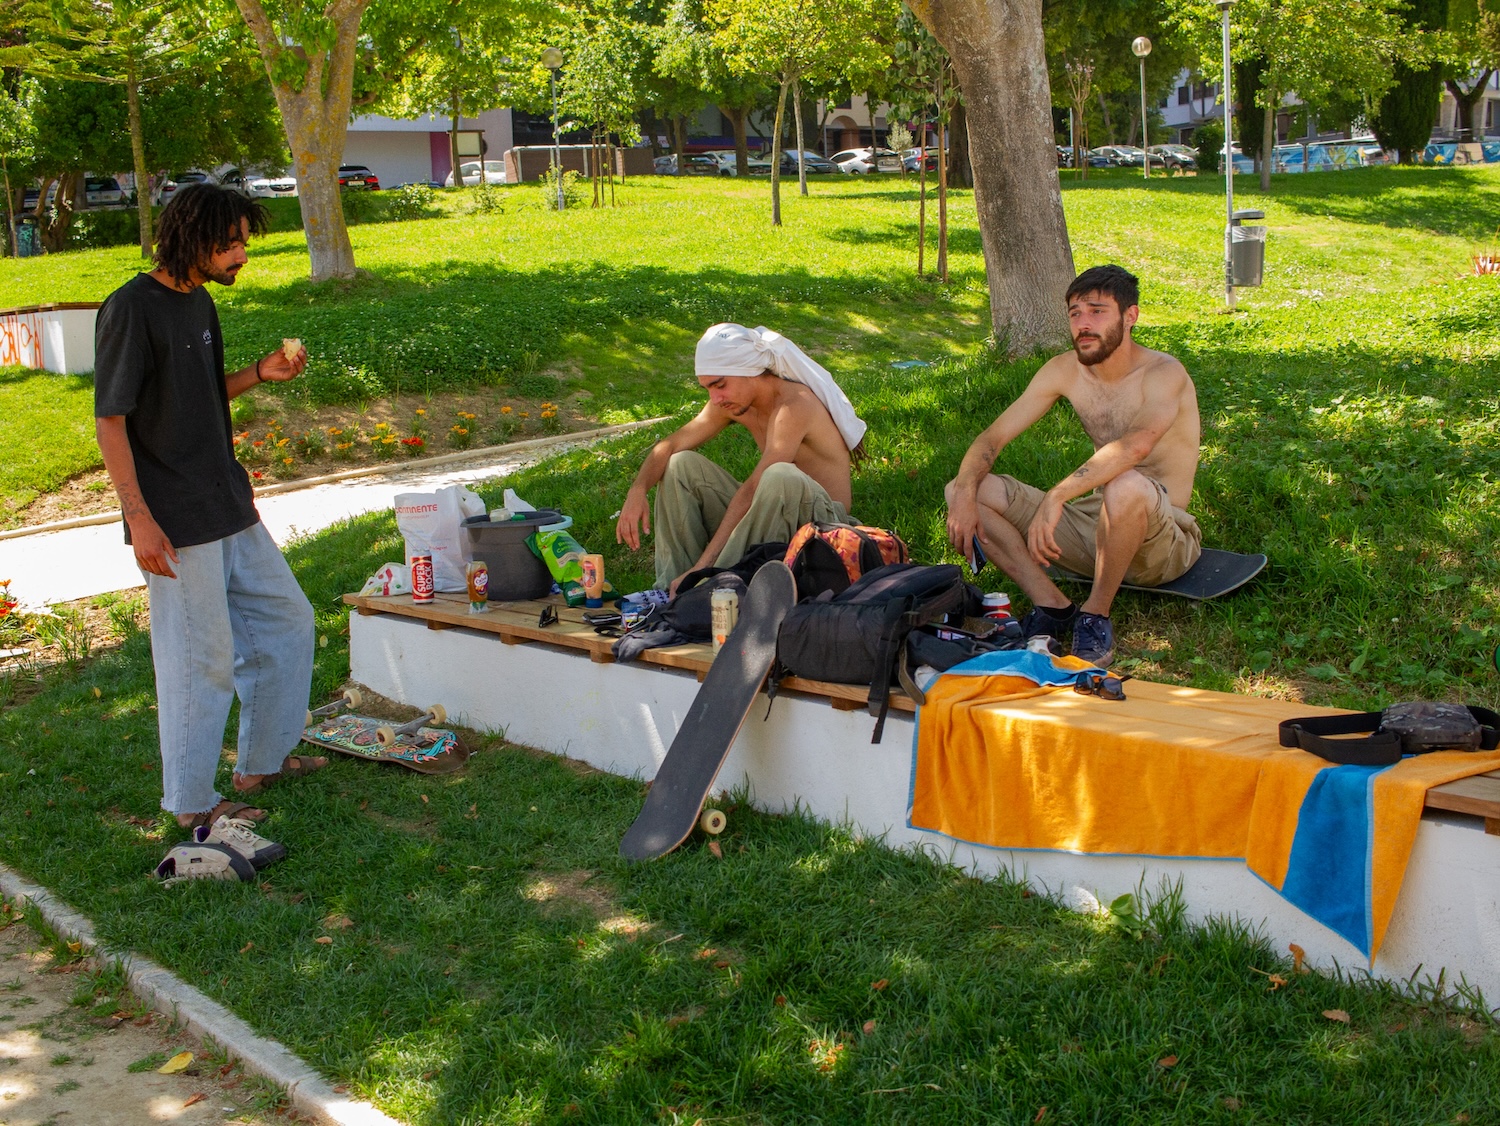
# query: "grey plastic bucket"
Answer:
x=515 y=571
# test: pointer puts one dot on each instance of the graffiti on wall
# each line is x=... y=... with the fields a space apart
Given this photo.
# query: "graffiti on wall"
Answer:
x=21 y=340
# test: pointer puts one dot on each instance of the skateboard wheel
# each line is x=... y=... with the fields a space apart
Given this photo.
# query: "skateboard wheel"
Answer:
x=437 y=713
x=385 y=736
x=308 y=722
x=353 y=697
x=712 y=822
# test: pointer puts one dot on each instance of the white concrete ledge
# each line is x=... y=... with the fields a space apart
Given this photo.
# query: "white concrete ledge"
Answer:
x=307 y=1092
x=622 y=718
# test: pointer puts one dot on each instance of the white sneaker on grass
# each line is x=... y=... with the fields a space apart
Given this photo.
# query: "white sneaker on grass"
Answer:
x=195 y=860
x=238 y=834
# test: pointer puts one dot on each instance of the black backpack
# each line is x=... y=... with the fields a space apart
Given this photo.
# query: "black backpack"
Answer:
x=860 y=635
x=1402 y=729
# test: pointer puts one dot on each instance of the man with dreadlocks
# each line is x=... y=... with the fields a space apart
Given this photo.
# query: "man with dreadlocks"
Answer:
x=227 y=616
x=808 y=435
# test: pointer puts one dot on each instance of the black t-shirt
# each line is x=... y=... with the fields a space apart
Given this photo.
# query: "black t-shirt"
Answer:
x=159 y=361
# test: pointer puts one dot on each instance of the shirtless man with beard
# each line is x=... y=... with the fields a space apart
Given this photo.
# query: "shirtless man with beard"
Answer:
x=1121 y=515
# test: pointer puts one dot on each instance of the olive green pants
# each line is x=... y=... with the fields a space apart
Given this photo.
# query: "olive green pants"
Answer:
x=695 y=493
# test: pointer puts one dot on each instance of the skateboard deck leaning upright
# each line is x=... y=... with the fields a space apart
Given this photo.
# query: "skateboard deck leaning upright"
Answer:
x=1216 y=573
x=430 y=750
x=724 y=700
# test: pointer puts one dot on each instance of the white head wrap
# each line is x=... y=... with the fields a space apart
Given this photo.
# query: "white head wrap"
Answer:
x=734 y=350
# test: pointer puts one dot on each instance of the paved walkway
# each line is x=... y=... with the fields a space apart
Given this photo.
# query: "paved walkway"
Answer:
x=74 y=563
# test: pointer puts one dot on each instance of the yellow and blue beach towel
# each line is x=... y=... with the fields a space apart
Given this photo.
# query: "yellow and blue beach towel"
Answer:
x=1007 y=755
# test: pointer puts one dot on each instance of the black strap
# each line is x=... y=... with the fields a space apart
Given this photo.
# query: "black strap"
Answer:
x=1310 y=733
x=899 y=622
x=1377 y=748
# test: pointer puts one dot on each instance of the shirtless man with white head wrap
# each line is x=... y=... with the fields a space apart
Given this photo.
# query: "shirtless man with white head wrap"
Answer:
x=808 y=436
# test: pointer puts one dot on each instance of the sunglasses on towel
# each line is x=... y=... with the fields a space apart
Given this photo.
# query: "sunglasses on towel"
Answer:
x=1093 y=682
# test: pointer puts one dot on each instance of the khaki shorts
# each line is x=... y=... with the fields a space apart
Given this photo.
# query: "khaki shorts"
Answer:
x=1173 y=539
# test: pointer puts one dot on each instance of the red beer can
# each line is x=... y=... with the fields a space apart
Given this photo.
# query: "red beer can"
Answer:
x=421 y=578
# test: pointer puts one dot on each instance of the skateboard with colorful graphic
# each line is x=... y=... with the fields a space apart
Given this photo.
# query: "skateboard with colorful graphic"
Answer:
x=674 y=805
x=414 y=745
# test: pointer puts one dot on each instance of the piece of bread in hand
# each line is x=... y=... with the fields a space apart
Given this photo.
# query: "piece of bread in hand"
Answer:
x=292 y=347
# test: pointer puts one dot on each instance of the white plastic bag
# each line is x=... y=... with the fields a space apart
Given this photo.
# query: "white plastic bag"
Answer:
x=392 y=578
x=433 y=522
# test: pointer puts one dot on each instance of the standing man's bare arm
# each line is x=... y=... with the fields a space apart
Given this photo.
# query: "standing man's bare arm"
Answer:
x=153 y=551
x=1044 y=390
x=635 y=513
x=275 y=368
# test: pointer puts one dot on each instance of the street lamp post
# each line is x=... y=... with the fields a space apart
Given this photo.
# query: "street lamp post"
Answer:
x=1142 y=47
x=1224 y=7
x=552 y=58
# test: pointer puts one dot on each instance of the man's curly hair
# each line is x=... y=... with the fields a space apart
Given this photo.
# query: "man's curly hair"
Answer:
x=200 y=221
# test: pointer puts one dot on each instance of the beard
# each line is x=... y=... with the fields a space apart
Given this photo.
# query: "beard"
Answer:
x=1093 y=349
x=225 y=276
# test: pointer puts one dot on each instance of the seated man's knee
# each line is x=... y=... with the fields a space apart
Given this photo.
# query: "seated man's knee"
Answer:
x=1130 y=489
x=781 y=473
x=994 y=493
x=681 y=463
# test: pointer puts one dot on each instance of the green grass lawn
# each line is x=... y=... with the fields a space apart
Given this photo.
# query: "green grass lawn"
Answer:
x=1350 y=413
x=46 y=434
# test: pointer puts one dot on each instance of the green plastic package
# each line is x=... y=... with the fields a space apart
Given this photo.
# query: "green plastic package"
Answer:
x=564 y=558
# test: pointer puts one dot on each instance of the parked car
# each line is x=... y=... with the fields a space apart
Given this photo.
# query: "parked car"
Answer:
x=358 y=177
x=816 y=165
x=693 y=164
x=910 y=157
x=272 y=187
x=169 y=186
x=857 y=162
x=102 y=191
x=494 y=173
x=1175 y=156
x=755 y=165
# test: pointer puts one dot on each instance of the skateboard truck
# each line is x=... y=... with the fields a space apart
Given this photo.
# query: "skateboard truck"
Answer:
x=386 y=736
x=349 y=698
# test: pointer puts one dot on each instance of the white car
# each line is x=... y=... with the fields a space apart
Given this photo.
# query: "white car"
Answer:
x=755 y=166
x=859 y=161
x=272 y=187
x=494 y=173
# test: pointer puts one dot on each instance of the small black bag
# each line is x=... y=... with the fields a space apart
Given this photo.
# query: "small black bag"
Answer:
x=860 y=635
x=1402 y=729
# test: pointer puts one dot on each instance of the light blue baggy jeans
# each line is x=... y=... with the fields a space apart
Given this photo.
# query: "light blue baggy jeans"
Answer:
x=233 y=622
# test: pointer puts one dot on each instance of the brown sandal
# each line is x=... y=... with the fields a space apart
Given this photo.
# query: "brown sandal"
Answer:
x=225 y=808
x=295 y=766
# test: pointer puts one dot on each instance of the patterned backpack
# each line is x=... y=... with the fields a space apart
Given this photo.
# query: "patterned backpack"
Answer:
x=829 y=557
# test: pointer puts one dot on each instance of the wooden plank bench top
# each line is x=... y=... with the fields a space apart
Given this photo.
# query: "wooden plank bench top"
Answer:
x=516 y=623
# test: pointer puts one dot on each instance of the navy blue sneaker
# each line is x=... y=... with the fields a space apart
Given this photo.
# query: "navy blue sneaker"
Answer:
x=1094 y=639
x=1040 y=620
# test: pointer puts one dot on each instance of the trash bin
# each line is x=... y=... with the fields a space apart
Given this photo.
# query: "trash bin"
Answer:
x=1247 y=250
x=28 y=238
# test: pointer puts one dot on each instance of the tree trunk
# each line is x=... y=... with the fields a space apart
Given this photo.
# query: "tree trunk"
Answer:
x=801 y=140
x=456 y=105
x=138 y=157
x=922 y=196
x=1135 y=123
x=679 y=140
x=942 y=257
x=999 y=61
x=12 y=239
x=1467 y=102
x=1109 y=126
x=315 y=115
x=69 y=191
x=776 y=156
x=960 y=169
x=1268 y=142
x=736 y=117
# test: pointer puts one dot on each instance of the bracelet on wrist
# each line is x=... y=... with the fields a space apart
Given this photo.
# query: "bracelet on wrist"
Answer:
x=258 y=378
